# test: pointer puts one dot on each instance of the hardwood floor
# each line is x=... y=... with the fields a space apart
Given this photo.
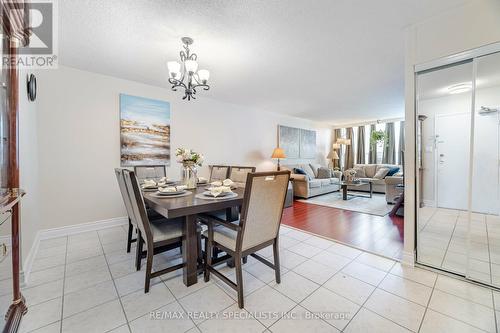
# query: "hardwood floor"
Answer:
x=382 y=235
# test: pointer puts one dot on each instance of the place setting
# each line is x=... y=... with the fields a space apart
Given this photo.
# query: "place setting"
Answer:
x=151 y=185
x=171 y=192
x=218 y=190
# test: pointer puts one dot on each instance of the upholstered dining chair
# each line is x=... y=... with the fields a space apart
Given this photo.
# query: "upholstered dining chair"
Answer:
x=150 y=172
x=155 y=235
x=257 y=228
x=238 y=174
x=132 y=225
x=218 y=172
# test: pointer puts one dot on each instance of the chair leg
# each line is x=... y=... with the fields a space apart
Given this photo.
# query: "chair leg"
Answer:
x=245 y=259
x=208 y=260
x=138 y=253
x=239 y=279
x=129 y=236
x=149 y=268
x=276 y=261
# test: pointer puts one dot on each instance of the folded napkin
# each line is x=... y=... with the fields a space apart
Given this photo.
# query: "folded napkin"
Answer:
x=202 y=180
x=216 y=183
x=226 y=189
x=216 y=191
x=181 y=187
x=163 y=180
x=167 y=189
x=149 y=183
x=227 y=182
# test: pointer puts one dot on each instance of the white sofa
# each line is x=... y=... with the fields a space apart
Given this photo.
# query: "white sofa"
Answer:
x=306 y=186
x=386 y=185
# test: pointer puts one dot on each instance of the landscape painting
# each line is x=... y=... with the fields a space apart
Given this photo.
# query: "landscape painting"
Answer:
x=289 y=140
x=307 y=144
x=144 y=131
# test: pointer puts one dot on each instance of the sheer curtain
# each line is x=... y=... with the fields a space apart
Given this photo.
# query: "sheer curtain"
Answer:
x=389 y=155
x=360 y=153
x=401 y=142
x=337 y=134
x=372 y=151
x=349 y=153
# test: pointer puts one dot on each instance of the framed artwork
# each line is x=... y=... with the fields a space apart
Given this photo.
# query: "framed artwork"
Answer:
x=307 y=144
x=289 y=141
x=144 y=131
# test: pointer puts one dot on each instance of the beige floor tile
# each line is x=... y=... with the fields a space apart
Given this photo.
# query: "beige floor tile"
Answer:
x=209 y=299
x=315 y=271
x=435 y=322
x=87 y=298
x=41 y=315
x=325 y=301
x=268 y=305
x=407 y=289
x=101 y=318
x=349 y=287
x=138 y=303
x=368 y=321
x=295 y=286
x=232 y=319
x=301 y=320
x=170 y=318
x=364 y=273
x=397 y=309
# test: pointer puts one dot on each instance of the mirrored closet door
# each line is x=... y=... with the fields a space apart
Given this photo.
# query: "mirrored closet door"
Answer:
x=458 y=167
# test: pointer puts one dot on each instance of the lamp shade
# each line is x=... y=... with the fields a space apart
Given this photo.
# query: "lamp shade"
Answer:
x=346 y=142
x=333 y=155
x=278 y=153
x=203 y=75
x=173 y=67
x=191 y=66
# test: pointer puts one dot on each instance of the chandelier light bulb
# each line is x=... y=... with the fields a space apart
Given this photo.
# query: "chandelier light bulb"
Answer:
x=203 y=75
x=173 y=67
x=191 y=66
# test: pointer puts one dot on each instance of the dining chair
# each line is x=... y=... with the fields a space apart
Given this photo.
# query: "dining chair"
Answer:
x=155 y=235
x=218 y=172
x=132 y=225
x=238 y=174
x=257 y=228
x=144 y=172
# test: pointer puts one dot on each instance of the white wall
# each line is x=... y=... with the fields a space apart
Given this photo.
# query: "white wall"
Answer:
x=462 y=28
x=78 y=140
x=28 y=167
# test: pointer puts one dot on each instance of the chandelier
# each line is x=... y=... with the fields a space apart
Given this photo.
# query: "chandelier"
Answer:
x=186 y=74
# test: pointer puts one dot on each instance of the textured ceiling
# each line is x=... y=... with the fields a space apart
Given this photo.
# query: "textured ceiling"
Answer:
x=337 y=61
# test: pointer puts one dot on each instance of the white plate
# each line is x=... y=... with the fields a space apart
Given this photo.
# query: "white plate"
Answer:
x=170 y=193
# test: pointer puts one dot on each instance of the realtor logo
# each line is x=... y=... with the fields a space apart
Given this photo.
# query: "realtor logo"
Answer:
x=41 y=52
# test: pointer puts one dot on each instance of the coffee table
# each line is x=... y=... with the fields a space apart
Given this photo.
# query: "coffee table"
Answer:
x=347 y=196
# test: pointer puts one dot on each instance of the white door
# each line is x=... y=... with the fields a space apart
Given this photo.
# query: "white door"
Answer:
x=452 y=159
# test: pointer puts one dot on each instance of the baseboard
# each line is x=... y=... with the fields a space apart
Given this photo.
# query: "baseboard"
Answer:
x=408 y=258
x=429 y=203
x=66 y=231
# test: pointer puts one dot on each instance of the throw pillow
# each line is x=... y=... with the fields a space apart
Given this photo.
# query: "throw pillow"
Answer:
x=299 y=171
x=315 y=167
x=324 y=173
x=381 y=173
x=360 y=172
x=308 y=170
x=392 y=171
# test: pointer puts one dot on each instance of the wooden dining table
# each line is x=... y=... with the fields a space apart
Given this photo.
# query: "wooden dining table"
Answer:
x=188 y=207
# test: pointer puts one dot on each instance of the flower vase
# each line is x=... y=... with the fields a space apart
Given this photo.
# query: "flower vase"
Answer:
x=189 y=175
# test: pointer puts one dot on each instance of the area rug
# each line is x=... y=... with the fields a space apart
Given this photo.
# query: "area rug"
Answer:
x=374 y=206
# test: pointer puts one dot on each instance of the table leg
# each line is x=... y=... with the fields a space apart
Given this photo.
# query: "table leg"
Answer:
x=190 y=251
x=344 y=192
x=371 y=189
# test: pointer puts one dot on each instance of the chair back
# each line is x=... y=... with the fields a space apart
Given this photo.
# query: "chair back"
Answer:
x=150 y=172
x=125 y=195
x=265 y=194
x=138 y=206
x=238 y=174
x=218 y=172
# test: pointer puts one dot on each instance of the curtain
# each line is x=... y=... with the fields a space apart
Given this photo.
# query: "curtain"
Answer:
x=401 y=142
x=360 y=153
x=372 y=151
x=389 y=155
x=349 y=153
x=336 y=135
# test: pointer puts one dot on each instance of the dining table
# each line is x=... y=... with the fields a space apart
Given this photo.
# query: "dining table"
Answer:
x=188 y=207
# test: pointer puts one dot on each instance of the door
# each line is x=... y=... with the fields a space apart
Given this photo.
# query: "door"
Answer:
x=452 y=160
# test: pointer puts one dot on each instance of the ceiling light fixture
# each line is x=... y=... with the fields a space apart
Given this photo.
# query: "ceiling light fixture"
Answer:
x=459 y=88
x=186 y=73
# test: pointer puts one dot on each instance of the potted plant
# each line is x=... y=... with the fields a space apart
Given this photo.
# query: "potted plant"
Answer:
x=377 y=137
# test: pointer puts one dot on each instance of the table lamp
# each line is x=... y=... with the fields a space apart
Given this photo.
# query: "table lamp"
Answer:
x=333 y=156
x=278 y=153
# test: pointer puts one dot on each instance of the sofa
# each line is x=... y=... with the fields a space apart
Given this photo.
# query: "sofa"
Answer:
x=309 y=185
x=386 y=185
